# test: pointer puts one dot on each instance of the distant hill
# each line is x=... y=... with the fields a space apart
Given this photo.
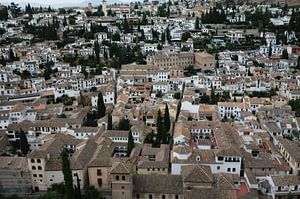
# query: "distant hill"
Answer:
x=281 y=2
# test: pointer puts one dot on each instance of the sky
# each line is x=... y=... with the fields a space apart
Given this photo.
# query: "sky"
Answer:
x=47 y=1
x=58 y=3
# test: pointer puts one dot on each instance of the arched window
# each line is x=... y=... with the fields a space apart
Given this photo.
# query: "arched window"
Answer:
x=32 y=161
x=38 y=160
x=33 y=168
x=39 y=168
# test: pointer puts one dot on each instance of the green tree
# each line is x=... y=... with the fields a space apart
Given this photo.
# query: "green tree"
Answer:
x=168 y=34
x=68 y=178
x=84 y=72
x=167 y=118
x=2 y=31
x=28 y=9
x=161 y=11
x=62 y=11
x=124 y=124
x=11 y=55
x=109 y=122
x=285 y=54
x=72 y=20
x=204 y=99
x=101 y=106
x=115 y=37
x=213 y=97
x=3 y=13
x=14 y=9
x=161 y=137
x=270 y=51
x=24 y=146
x=91 y=192
x=144 y=19
x=295 y=104
x=177 y=95
x=130 y=143
x=289 y=196
x=65 y=23
x=197 y=23
x=126 y=26
x=185 y=36
x=97 y=50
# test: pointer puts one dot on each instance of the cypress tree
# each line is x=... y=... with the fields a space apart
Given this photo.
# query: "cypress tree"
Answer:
x=97 y=50
x=109 y=122
x=161 y=130
x=24 y=146
x=285 y=54
x=130 y=143
x=105 y=54
x=270 y=51
x=126 y=25
x=65 y=21
x=197 y=26
x=101 y=106
x=167 y=119
x=68 y=179
x=11 y=55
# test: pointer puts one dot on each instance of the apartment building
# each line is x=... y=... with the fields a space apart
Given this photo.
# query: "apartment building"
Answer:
x=171 y=59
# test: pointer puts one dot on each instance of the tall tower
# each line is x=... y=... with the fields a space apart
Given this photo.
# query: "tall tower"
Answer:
x=104 y=8
x=121 y=181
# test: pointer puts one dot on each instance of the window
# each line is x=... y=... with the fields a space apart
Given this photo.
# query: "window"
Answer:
x=38 y=160
x=99 y=182
x=32 y=161
x=33 y=168
x=39 y=168
x=233 y=169
x=163 y=197
x=117 y=178
x=218 y=167
x=150 y=196
x=40 y=175
x=34 y=175
x=123 y=177
x=137 y=196
x=176 y=197
x=123 y=187
x=220 y=158
x=228 y=169
x=99 y=172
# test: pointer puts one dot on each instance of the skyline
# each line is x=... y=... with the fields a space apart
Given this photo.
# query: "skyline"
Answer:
x=61 y=3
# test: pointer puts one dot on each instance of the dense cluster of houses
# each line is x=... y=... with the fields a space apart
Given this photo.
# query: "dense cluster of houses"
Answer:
x=233 y=132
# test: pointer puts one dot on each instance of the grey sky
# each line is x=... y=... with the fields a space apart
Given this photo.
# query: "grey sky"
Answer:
x=47 y=1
